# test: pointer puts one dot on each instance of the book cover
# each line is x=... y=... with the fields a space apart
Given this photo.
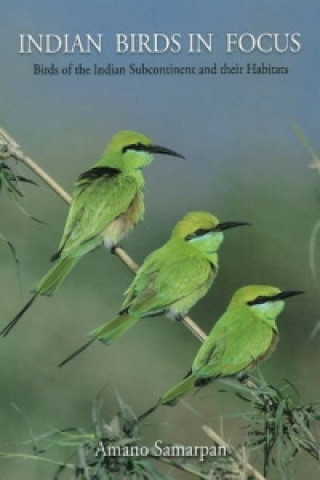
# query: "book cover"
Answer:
x=233 y=88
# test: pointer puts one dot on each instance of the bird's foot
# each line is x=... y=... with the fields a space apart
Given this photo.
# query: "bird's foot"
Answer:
x=175 y=317
x=243 y=377
x=264 y=398
x=114 y=248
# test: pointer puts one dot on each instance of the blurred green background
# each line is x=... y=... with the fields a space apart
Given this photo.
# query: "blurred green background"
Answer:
x=243 y=162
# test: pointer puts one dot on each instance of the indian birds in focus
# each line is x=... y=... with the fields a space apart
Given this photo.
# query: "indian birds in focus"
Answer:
x=172 y=278
x=107 y=202
x=244 y=336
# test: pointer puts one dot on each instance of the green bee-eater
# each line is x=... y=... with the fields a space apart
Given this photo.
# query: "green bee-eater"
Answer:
x=107 y=202
x=245 y=335
x=171 y=279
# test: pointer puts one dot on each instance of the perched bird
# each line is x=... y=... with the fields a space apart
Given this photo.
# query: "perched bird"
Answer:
x=107 y=202
x=244 y=336
x=171 y=279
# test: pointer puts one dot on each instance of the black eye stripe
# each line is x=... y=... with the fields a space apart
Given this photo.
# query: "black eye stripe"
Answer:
x=201 y=231
x=138 y=147
x=198 y=233
x=259 y=300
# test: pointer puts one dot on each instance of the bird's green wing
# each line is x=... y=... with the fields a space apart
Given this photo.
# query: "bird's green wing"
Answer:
x=173 y=283
x=145 y=275
x=100 y=195
x=236 y=343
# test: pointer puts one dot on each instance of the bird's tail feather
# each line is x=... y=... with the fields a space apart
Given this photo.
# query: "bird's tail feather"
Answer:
x=77 y=352
x=47 y=285
x=55 y=276
x=173 y=395
x=4 y=332
x=113 y=330
x=147 y=412
x=107 y=334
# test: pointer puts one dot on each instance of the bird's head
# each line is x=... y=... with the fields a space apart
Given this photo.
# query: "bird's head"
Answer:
x=135 y=150
x=203 y=230
x=265 y=301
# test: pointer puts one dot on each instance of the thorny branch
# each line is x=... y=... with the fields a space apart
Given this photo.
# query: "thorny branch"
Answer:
x=239 y=458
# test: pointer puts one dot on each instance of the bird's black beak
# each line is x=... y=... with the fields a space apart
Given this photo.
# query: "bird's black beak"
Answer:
x=162 y=150
x=226 y=225
x=286 y=294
